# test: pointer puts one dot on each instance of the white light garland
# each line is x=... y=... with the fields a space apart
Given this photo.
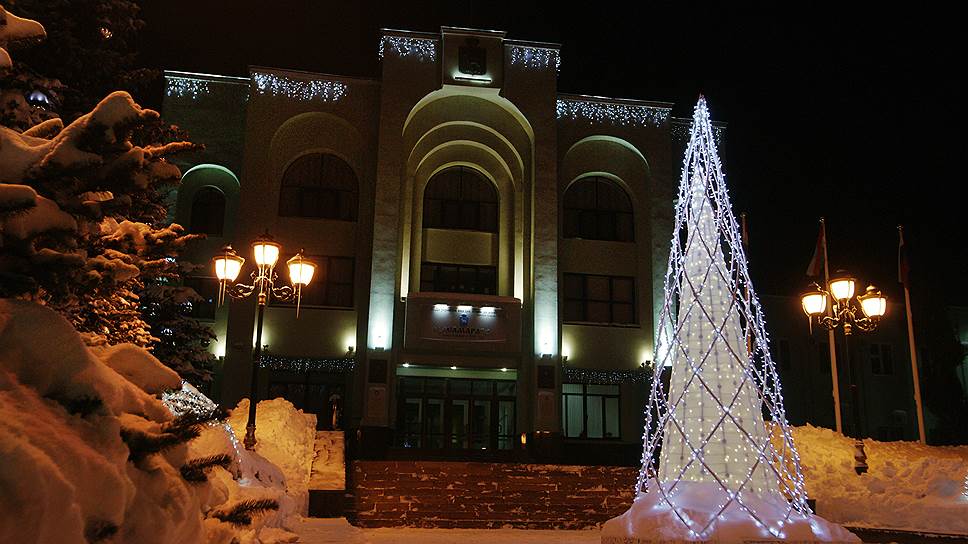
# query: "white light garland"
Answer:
x=612 y=113
x=184 y=87
x=422 y=49
x=535 y=57
x=190 y=400
x=318 y=89
x=709 y=426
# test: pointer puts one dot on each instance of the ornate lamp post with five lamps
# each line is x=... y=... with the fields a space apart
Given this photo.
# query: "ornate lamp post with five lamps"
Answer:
x=864 y=315
x=228 y=265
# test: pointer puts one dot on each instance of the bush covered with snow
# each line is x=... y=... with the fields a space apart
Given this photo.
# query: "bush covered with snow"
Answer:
x=89 y=453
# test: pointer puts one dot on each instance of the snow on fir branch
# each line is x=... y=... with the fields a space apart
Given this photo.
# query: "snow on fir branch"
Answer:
x=194 y=470
x=241 y=512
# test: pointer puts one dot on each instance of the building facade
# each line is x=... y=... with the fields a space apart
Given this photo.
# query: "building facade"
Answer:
x=491 y=250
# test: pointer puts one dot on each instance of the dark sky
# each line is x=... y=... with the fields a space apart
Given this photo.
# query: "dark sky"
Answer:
x=852 y=115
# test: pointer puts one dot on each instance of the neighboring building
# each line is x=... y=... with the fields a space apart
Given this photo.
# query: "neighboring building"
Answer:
x=880 y=368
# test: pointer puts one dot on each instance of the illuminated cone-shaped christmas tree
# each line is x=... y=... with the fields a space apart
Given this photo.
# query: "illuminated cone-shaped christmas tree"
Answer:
x=713 y=467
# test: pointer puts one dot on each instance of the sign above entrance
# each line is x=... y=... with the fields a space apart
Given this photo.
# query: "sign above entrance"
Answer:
x=473 y=322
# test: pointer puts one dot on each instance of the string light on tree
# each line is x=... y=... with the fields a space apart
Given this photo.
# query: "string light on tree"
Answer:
x=723 y=473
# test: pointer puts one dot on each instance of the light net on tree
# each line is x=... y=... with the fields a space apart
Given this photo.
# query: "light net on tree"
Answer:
x=710 y=426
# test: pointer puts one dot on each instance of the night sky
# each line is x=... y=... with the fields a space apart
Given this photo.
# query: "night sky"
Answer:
x=852 y=115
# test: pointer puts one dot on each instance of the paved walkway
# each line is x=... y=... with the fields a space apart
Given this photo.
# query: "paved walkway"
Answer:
x=332 y=531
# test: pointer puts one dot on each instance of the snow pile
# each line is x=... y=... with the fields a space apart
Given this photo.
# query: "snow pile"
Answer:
x=650 y=519
x=285 y=436
x=908 y=486
x=70 y=470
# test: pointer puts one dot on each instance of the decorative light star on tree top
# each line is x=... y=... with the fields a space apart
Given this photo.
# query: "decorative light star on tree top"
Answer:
x=712 y=467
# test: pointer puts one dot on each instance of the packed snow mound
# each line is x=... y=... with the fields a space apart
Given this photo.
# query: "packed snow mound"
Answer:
x=286 y=437
x=914 y=487
x=651 y=520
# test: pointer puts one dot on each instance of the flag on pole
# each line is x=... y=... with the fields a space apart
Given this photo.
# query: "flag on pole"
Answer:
x=903 y=265
x=816 y=267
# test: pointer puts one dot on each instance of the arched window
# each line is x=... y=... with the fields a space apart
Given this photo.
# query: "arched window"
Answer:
x=208 y=212
x=319 y=185
x=460 y=198
x=596 y=208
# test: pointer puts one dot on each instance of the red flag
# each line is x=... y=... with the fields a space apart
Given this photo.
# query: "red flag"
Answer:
x=815 y=269
x=903 y=266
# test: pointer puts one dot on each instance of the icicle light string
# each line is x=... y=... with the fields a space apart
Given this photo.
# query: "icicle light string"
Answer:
x=611 y=113
x=717 y=268
x=315 y=90
x=422 y=49
x=535 y=57
x=183 y=87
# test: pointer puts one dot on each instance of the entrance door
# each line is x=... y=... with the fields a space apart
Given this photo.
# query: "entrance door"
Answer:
x=469 y=411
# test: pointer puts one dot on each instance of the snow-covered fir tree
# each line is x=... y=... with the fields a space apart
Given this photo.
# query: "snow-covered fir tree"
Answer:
x=94 y=239
x=91 y=47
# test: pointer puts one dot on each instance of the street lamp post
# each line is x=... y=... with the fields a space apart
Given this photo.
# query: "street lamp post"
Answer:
x=864 y=315
x=228 y=265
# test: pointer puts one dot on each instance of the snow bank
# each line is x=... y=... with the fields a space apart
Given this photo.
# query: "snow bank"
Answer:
x=908 y=486
x=286 y=437
x=651 y=520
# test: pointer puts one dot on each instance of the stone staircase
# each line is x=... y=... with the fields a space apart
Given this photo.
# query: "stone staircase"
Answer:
x=487 y=495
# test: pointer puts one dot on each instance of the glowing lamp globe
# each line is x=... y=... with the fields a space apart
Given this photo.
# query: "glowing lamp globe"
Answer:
x=814 y=303
x=301 y=271
x=842 y=287
x=873 y=303
x=228 y=265
x=266 y=251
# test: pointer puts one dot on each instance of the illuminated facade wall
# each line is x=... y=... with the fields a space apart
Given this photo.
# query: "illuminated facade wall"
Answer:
x=460 y=99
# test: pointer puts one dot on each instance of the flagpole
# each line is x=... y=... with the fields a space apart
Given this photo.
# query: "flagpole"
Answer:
x=830 y=334
x=911 y=345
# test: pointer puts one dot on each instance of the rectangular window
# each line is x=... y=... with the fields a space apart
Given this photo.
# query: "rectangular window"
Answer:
x=590 y=411
x=882 y=361
x=593 y=298
x=458 y=278
x=332 y=284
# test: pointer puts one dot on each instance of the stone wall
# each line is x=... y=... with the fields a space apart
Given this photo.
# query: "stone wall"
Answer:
x=487 y=495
